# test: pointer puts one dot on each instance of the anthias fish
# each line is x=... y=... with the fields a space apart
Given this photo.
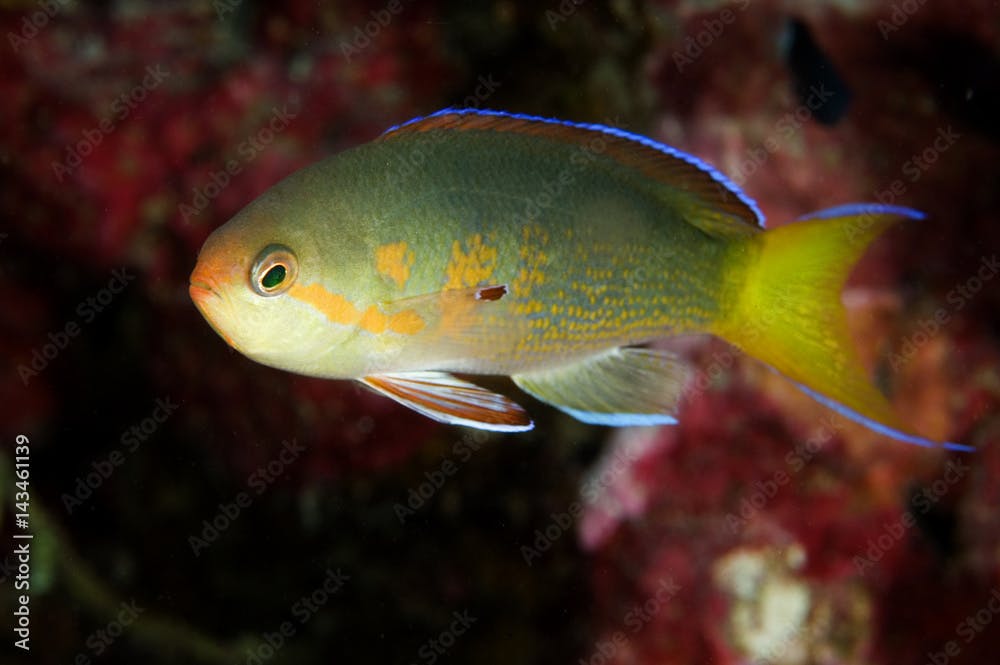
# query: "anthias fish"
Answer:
x=481 y=242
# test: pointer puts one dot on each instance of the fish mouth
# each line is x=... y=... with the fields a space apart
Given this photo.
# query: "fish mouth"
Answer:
x=202 y=287
x=201 y=293
x=207 y=299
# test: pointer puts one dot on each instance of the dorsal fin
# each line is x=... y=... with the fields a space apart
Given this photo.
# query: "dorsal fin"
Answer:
x=682 y=172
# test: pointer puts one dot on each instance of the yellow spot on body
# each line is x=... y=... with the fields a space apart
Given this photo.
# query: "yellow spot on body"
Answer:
x=374 y=320
x=406 y=322
x=339 y=310
x=472 y=266
x=394 y=261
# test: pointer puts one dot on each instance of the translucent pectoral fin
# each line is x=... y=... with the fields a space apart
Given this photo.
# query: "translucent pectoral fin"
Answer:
x=620 y=387
x=433 y=304
x=455 y=314
x=447 y=399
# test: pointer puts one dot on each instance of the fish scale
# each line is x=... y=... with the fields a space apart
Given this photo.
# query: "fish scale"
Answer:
x=658 y=284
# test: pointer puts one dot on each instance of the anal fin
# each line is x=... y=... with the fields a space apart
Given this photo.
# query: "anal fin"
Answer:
x=447 y=399
x=619 y=387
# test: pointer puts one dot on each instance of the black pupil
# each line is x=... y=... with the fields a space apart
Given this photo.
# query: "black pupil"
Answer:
x=273 y=277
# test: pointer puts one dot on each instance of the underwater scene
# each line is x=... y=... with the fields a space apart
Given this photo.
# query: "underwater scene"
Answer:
x=425 y=332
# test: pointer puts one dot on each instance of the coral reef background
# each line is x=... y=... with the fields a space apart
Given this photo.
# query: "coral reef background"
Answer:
x=190 y=506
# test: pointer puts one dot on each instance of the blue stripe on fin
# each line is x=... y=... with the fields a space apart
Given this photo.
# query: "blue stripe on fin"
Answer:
x=716 y=175
x=855 y=209
x=619 y=419
x=876 y=426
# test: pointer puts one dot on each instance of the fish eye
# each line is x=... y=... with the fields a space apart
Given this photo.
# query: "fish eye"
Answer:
x=274 y=271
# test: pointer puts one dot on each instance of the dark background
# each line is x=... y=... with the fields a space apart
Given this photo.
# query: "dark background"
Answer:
x=760 y=528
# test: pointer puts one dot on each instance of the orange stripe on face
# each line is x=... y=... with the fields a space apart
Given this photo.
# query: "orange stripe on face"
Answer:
x=336 y=308
x=341 y=311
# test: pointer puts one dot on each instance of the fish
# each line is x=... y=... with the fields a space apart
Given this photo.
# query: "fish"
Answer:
x=475 y=242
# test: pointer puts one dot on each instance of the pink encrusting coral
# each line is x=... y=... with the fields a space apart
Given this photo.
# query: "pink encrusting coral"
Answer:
x=794 y=537
x=784 y=545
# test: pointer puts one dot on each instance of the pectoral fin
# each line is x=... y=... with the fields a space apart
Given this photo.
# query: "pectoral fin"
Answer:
x=447 y=399
x=461 y=323
x=434 y=304
x=623 y=386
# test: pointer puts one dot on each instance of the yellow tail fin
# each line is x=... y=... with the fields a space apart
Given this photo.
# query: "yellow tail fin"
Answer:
x=784 y=308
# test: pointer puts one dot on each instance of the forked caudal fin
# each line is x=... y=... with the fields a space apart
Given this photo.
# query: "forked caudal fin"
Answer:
x=785 y=309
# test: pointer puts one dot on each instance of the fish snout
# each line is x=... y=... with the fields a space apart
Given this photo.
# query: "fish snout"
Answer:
x=201 y=287
x=207 y=297
x=200 y=294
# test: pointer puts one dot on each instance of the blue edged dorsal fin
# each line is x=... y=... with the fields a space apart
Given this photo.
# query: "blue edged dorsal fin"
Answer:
x=709 y=199
x=618 y=387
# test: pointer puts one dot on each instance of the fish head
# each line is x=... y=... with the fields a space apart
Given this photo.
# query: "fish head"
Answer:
x=247 y=283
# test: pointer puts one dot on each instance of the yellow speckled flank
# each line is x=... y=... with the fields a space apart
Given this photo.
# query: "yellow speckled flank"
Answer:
x=471 y=266
x=533 y=258
x=393 y=261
